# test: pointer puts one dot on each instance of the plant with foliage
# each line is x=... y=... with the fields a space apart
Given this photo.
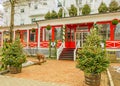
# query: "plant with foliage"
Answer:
x=13 y=54
x=113 y=6
x=60 y=13
x=115 y=21
x=54 y=15
x=48 y=15
x=103 y=8
x=73 y=11
x=86 y=9
x=92 y=59
x=48 y=27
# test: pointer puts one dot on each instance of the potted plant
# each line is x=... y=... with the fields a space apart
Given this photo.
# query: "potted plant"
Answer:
x=92 y=59
x=115 y=21
x=13 y=56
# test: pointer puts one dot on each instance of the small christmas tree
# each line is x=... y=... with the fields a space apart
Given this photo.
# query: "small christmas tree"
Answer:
x=13 y=55
x=86 y=9
x=92 y=58
x=103 y=8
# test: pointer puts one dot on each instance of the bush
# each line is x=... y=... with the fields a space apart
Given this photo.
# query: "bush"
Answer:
x=86 y=9
x=73 y=11
x=48 y=15
x=54 y=15
x=92 y=59
x=113 y=7
x=103 y=8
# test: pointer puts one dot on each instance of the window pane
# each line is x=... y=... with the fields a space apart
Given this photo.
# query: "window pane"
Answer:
x=117 y=32
x=48 y=34
x=58 y=33
x=32 y=37
x=104 y=31
x=25 y=36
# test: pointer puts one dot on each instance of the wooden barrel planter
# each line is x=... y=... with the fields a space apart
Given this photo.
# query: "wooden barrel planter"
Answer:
x=92 y=79
x=14 y=70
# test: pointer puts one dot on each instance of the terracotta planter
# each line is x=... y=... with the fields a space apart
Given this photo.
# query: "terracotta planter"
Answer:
x=14 y=70
x=92 y=79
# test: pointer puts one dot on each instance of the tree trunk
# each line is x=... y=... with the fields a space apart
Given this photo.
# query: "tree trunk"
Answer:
x=12 y=20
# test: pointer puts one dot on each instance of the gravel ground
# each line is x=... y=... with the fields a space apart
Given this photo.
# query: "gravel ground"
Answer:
x=61 y=72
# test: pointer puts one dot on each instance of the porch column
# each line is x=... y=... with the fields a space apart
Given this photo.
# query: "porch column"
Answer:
x=27 y=38
x=53 y=34
x=39 y=37
x=112 y=28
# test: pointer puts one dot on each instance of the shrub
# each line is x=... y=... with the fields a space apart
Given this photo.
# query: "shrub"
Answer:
x=103 y=8
x=48 y=15
x=54 y=15
x=86 y=9
x=113 y=7
x=73 y=11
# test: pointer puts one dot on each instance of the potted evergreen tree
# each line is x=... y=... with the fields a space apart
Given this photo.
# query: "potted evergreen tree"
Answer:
x=86 y=9
x=92 y=59
x=103 y=8
x=13 y=56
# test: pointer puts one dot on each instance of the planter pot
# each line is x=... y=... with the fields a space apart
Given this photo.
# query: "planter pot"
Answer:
x=14 y=70
x=92 y=79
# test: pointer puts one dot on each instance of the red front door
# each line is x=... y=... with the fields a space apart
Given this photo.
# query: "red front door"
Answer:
x=70 y=38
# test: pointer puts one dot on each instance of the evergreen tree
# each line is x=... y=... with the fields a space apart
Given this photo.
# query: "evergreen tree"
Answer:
x=60 y=13
x=86 y=9
x=73 y=11
x=54 y=15
x=48 y=15
x=103 y=8
x=113 y=7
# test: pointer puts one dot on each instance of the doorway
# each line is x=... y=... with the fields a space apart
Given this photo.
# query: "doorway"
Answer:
x=81 y=38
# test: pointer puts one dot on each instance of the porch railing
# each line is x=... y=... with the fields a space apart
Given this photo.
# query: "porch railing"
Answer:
x=77 y=46
x=59 y=50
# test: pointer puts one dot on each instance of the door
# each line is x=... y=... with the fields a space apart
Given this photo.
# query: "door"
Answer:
x=81 y=38
x=70 y=38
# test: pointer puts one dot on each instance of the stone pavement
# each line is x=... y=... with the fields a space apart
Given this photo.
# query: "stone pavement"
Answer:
x=10 y=81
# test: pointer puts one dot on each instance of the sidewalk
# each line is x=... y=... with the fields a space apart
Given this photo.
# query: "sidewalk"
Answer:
x=10 y=81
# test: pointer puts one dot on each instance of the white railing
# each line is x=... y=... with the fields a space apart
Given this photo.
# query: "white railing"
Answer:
x=59 y=50
x=77 y=46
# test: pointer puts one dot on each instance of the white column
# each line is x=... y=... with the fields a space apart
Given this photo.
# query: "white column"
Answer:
x=39 y=37
x=27 y=38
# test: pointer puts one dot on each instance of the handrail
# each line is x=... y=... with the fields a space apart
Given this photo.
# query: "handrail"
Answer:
x=59 y=50
x=77 y=46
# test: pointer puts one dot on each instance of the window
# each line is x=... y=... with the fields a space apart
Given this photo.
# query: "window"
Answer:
x=22 y=10
x=117 y=32
x=44 y=3
x=32 y=37
x=33 y=19
x=22 y=22
x=47 y=34
x=58 y=33
x=35 y=7
x=25 y=36
x=104 y=31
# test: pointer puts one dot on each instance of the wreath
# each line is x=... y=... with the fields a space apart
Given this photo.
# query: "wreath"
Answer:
x=48 y=27
x=115 y=21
